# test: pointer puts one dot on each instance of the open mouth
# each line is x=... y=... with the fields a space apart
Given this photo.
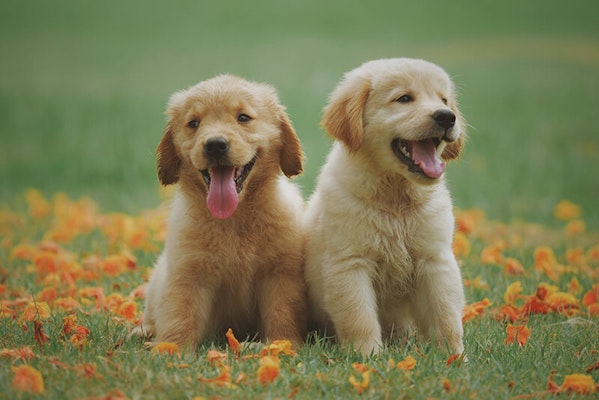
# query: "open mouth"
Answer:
x=225 y=182
x=238 y=173
x=421 y=156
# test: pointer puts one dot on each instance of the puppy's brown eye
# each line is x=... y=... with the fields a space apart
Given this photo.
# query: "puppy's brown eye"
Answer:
x=406 y=98
x=194 y=123
x=243 y=118
x=444 y=100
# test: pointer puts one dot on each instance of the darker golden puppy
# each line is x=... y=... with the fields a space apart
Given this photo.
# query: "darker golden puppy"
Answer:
x=233 y=253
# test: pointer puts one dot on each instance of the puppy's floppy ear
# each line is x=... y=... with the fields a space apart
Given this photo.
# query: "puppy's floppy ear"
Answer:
x=291 y=156
x=453 y=150
x=343 y=116
x=169 y=162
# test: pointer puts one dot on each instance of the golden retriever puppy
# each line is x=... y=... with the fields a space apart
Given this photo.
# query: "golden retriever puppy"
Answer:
x=379 y=260
x=233 y=252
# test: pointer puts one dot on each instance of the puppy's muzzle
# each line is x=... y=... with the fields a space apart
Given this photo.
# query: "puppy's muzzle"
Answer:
x=446 y=119
x=216 y=149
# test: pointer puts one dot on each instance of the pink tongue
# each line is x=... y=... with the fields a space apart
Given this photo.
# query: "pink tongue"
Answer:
x=222 y=196
x=425 y=156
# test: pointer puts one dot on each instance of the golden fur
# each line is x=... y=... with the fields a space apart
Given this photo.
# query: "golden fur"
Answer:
x=379 y=260
x=220 y=270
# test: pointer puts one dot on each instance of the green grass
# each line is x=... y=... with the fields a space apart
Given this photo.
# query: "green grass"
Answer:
x=559 y=344
x=83 y=86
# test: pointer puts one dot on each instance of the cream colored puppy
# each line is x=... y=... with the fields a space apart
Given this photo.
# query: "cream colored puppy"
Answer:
x=233 y=252
x=379 y=225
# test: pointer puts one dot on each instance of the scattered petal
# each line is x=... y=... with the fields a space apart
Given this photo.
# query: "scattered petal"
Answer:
x=446 y=385
x=216 y=356
x=408 y=364
x=360 y=385
x=36 y=311
x=38 y=333
x=223 y=379
x=28 y=379
x=474 y=310
x=512 y=293
x=278 y=347
x=165 y=348
x=233 y=342
x=566 y=210
x=578 y=383
x=517 y=333
x=269 y=369
x=22 y=353
x=128 y=310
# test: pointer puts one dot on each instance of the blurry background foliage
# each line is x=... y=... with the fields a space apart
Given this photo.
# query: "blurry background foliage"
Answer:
x=83 y=87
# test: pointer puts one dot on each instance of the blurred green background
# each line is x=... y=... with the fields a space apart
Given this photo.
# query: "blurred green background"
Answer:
x=83 y=86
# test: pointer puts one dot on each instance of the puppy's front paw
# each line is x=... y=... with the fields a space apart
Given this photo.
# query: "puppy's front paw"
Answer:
x=143 y=331
x=368 y=347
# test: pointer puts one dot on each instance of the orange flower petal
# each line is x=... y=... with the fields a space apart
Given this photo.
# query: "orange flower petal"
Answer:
x=453 y=358
x=591 y=297
x=408 y=364
x=28 y=379
x=566 y=210
x=233 y=342
x=128 y=310
x=517 y=333
x=66 y=304
x=216 y=356
x=278 y=347
x=222 y=380
x=579 y=383
x=68 y=324
x=564 y=303
x=360 y=385
x=39 y=334
x=476 y=283
x=475 y=309
x=513 y=266
x=461 y=245
x=512 y=293
x=80 y=337
x=165 y=348
x=492 y=254
x=359 y=367
x=574 y=286
x=446 y=385
x=36 y=311
x=23 y=353
x=534 y=305
x=39 y=207
x=269 y=369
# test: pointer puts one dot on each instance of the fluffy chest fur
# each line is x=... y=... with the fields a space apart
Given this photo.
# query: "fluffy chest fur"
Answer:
x=392 y=228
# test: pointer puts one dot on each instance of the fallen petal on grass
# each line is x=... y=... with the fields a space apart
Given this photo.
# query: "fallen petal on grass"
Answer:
x=28 y=379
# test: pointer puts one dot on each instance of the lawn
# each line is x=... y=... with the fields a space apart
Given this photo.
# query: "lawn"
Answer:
x=83 y=87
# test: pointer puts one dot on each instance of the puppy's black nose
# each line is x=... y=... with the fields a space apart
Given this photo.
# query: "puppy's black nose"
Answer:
x=444 y=118
x=216 y=147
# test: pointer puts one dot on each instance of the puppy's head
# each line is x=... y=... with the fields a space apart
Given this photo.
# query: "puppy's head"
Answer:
x=226 y=134
x=402 y=113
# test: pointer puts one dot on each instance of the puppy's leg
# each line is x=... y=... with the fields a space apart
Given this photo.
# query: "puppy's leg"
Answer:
x=147 y=329
x=154 y=289
x=183 y=314
x=283 y=306
x=396 y=319
x=351 y=302
x=439 y=301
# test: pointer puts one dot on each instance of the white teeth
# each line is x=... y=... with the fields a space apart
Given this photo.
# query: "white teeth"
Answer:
x=405 y=151
x=441 y=147
x=238 y=172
